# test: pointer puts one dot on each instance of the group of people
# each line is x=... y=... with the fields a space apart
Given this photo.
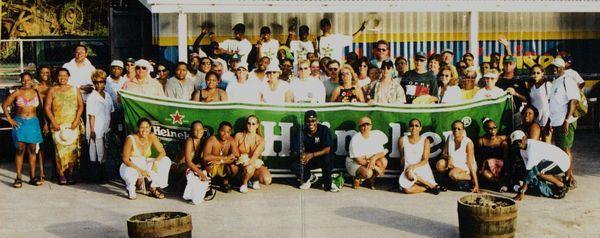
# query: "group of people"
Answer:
x=80 y=100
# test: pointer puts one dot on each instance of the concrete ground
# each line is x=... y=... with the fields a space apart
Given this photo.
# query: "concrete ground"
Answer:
x=280 y=210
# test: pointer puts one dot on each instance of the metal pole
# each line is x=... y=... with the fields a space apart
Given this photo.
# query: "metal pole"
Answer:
x=20 y=42
x=473 y=36
x=182 y=36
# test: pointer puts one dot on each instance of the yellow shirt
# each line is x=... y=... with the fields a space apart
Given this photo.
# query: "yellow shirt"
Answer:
x=469 y=94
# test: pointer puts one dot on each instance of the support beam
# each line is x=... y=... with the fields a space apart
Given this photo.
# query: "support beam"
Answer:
x=182 y=36
x=474 y=35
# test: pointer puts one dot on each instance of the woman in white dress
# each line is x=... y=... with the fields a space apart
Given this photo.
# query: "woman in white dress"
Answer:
x=138 y=168
x=417 y=176
x=458 y=158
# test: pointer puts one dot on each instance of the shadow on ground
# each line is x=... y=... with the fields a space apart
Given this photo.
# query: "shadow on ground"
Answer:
x=83 y=229
x=400 y=221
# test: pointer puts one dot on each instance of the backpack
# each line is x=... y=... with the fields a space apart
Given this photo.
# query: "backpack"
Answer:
x=582 y=105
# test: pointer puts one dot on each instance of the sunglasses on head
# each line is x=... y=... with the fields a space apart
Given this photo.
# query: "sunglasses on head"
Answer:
x=536 y=72
x=140 y=67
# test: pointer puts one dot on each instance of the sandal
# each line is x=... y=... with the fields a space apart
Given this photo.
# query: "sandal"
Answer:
x=18 y=183
x=62 y=180
x=35 y=181
x=42 y=180
x=157 y=194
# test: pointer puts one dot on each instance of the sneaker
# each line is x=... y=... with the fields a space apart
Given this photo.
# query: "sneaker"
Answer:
x=244 y=189
x=256 y=185
x=334 y=189
x=313 y=178
x=306 y=185
x=226 y=188
x=132 y=195
x=561 y=192
x=435 y=190
x=503 y=189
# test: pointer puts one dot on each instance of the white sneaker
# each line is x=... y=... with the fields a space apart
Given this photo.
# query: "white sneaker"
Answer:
x=244 y=189
x=313 y=178
x=305 y=185
x=256 y=185
x=334 y=189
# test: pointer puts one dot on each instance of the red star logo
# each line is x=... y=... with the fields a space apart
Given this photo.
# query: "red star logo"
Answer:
x=177 y=118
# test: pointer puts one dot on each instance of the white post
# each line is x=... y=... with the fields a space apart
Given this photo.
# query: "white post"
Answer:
x=473 y=36
x=20 y=42
x=182 y=35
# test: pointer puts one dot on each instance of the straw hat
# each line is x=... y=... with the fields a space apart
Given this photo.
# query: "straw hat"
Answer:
x=66 y=135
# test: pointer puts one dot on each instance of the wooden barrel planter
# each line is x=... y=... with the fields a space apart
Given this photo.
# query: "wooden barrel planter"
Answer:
x=487 y=216
x=160 y=224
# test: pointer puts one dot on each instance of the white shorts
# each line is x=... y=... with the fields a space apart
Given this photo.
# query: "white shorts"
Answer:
x=351 y=166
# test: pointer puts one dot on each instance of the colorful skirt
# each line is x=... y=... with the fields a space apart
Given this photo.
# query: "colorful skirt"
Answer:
x=28 y=131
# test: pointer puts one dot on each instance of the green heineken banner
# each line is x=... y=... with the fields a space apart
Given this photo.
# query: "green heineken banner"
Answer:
x=280 y=123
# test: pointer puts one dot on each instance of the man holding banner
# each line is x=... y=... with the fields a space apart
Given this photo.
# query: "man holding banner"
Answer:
x=315 y=151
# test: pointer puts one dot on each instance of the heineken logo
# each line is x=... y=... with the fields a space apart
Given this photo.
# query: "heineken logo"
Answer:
x=170 y=133
x=177 y=118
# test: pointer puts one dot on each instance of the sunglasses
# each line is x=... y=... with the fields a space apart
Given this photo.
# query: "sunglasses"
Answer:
x=364 y=66
x=381 y=49
x=421 y=60
x=129 y=64
x=414 y=125
x=305 y=68
x=241 y=69
x=536 y=73
x=99 y=82
x=270 y=72
x=140 y=67
x=446 y=75
x=333 y=69
x=252 y=123
x=365 y=124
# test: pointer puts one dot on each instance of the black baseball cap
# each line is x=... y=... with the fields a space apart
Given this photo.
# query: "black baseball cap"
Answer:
x=240 y=27
x=310 y=114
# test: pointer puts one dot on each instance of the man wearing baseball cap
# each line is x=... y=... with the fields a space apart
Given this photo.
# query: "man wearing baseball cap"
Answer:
x=569 y=71
x=564 y=96
x=419 y=81
x=544 y=163
x=509 y=81
x=242 y=90
x=314 y=152
x=448 y=59
x=239 y=46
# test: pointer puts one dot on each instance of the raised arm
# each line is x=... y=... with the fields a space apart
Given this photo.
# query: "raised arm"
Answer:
x=362 y=28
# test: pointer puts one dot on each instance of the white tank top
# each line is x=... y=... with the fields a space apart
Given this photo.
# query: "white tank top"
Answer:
x=539 y=99
x=459 y=156
x=413 y=153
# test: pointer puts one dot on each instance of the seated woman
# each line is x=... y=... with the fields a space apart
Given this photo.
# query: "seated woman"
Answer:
x=530 y=125
x=138 y=168
x=251 y=145
x=492 y=152
x=458 y=158
x=367 y=155
x=414 y=154
x=211 y=93
x=197 y=181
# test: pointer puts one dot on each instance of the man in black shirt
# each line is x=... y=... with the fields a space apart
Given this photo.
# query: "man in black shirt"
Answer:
x=419 y=81
x=511 y=83
x=315 y=151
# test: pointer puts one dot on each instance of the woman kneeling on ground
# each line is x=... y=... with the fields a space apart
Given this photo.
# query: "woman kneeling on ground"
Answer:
x=458 y=159
x=251 y=145
x=414 y=153
x=138 y=168
x=492 y=153
x=197 y=180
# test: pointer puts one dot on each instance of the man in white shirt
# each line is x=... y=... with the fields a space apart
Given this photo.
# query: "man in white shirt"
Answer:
x=179 y=86
x=266 y=46
x=549 y=161
x=243 y=90
x=229 y=75
x=367 y=154
x=332 y=45
x=238 y=47
x=81 y=70
x=564 y=96
x=305 y=88
x=300 y=48
x=569 y=71
x=115 y=81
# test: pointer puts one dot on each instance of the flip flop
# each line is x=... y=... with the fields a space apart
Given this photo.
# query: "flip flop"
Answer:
x=35 y=181
x=62 y=180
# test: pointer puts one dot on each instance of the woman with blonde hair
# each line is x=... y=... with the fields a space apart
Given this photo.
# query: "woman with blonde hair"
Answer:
x=349 y=91
x=251 y=145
